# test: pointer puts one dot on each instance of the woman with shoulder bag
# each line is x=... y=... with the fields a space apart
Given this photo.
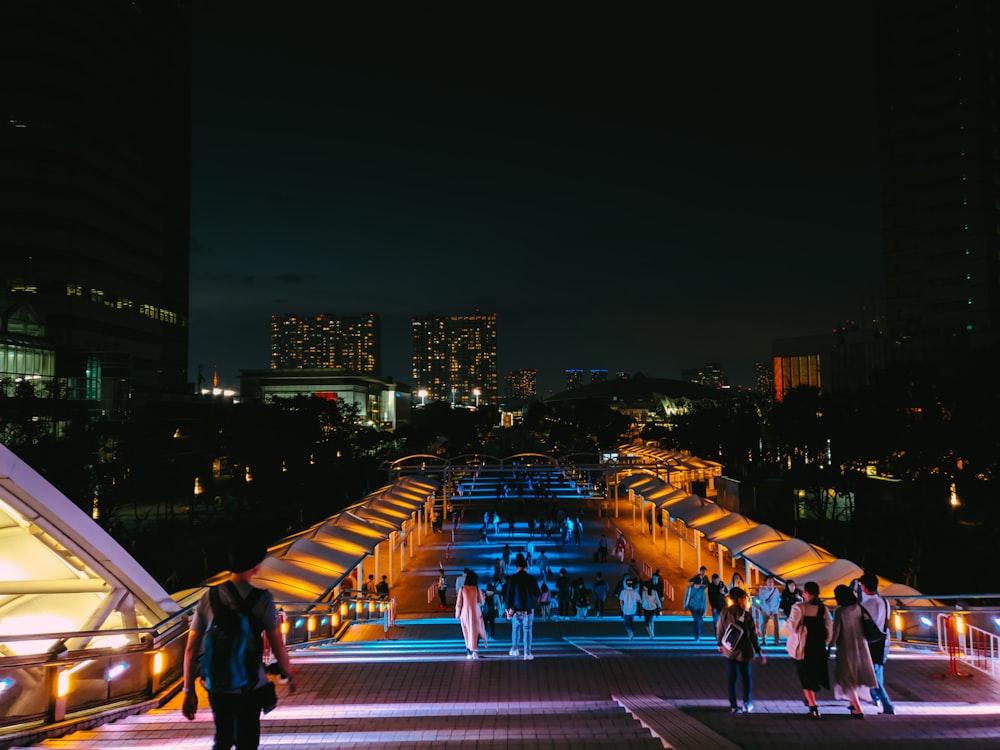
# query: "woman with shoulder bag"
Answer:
x=809 y=628
x=650 y=606
x=854 y=667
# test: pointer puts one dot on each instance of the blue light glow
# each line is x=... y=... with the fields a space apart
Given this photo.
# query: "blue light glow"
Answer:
x=116 y=671
x=926 y=621
x=5 y=684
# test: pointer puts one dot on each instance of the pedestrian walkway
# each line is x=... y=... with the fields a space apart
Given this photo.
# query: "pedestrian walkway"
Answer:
x=589 y=686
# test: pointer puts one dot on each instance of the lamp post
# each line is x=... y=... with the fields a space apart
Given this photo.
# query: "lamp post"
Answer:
x=423 y=397
x=477 y=393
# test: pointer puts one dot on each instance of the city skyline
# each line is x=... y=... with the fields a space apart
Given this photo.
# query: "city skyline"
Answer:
x=633 y=193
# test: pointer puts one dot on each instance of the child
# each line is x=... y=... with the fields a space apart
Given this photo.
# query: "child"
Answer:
x=545 y=601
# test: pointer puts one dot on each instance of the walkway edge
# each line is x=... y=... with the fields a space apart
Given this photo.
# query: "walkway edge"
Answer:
x=674 y=728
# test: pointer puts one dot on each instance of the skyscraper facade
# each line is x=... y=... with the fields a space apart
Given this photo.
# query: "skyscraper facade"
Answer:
x=522 y=384
x=940 y=167
x=327 y=342
x=94 y=216
x=455 y=358
x=574 y=378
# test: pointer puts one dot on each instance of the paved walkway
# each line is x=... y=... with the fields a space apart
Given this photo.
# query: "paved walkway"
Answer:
x=589 y=686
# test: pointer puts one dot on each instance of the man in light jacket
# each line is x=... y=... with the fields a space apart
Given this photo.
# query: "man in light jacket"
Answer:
x=768 y=607
x=880 y=611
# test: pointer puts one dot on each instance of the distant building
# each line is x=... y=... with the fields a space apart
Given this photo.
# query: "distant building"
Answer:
x=327 y=342
x=26 y=356
x=710 y=374
x=939 y=141
x=455 y=358
x=621 y=375
x=95 y=171
x=598 y=376
x=765 y=378
x=846 y=358
x=380 y=404
x=574 y=379
x=522 y=384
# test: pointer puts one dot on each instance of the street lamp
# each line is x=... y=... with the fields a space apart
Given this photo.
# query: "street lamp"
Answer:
x=477 y=393
x=423 y=397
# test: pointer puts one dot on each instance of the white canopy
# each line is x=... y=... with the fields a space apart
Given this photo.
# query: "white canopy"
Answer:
x=60 y=571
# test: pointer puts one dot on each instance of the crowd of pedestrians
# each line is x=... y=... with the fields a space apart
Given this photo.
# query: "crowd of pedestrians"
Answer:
x=815 y=631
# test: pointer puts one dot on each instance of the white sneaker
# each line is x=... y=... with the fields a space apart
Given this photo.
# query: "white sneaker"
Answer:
x=475 y=654
x=529 y=657
x=468 y=656
x=513 y=652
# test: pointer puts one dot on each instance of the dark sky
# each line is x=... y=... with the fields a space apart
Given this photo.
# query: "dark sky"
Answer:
x=640 y=191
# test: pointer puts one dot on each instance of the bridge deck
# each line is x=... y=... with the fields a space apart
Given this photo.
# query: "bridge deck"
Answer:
x=589 y=686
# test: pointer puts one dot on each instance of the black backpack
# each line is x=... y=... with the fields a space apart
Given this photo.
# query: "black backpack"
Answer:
x=233 y=646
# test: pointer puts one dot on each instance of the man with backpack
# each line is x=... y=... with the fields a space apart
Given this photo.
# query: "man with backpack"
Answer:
x=225 y=647
x=878 y=609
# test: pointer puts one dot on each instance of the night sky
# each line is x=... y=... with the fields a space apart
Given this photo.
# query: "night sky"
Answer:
x=640 y=191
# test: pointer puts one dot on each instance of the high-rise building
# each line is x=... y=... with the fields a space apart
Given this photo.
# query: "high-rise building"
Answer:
x=522 y=384
x=598 y=376
x=327 y=342
x=94 y=178
x=574 y=379
x=455 y=358
x=939 y=133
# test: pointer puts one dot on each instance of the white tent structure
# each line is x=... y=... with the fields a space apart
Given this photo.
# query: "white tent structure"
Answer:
x=61 y=572
x=312 y=565
x=762 y=547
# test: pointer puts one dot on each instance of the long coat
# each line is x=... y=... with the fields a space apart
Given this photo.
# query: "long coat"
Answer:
x=854 y=662
x=469 y=613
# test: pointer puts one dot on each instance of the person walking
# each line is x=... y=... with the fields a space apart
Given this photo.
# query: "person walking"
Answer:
x=543 y=566
x=807 y=631
x=545 y=602
x=564 y=588
x=522 y=593
x=629 y=600
x=469 y=601
x=236 y=710
x=737 y=639
x=717 y=593
x=853 y=667
x=600 y=591
x=602 y=548
x=651 y=603
x=491 y=611
x=696 y=599
x=880 y=612
x=442 y=589
x=789 y=596
x=768 y=607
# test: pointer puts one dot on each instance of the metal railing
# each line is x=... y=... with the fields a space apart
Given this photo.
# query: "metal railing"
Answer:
x=969 y=644
x=55 y=692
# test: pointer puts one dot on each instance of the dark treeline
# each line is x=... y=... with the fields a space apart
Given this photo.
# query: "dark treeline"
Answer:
x=867 y=475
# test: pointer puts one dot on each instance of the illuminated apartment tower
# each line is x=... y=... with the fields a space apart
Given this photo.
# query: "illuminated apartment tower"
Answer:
x=455 y=358
x=94 y=170
x=522 y=384
x=326 y=342
x=574 y=379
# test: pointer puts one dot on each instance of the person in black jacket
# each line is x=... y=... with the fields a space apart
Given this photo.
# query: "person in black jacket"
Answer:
x=717 y=593
x=522 y=593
